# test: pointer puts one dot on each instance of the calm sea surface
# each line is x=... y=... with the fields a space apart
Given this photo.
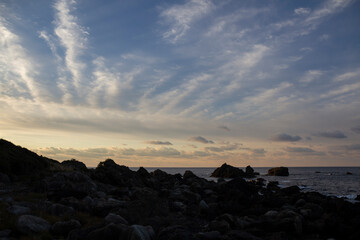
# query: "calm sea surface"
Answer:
x=332 y=181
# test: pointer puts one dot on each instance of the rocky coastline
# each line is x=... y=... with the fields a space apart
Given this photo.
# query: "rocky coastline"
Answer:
x=69 y=201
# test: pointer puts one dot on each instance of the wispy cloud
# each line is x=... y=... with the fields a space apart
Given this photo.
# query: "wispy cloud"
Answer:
x=302 y=11
x=351 y=75
x=180 y=17
x=73 y=38
x=311 y=75
x=17 y=70
x=200 y=139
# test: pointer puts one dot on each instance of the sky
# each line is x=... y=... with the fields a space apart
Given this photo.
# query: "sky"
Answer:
x=190 y=83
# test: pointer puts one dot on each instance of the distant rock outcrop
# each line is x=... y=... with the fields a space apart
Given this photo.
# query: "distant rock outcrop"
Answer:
x=75 y=165
x=228 y=171
x=278 y=171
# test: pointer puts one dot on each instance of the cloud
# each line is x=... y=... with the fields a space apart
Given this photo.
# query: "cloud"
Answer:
x=286 y=138
x=18 y=73
x=159 y=142
x=302 y=11
x=227 y=147
x=200 y=139
x=351 y=147
x=329 y=7
x=311 y=75
x=73 y=38
x=258 y=152
x=333 y=134
x=348 y=76
x=303 y=151
x=356 y=129
x=180 y=17
x=224 y=128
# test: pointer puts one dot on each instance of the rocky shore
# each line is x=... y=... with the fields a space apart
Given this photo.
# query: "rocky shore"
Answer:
x=68 y=201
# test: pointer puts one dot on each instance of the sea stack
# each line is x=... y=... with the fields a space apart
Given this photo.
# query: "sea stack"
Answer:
x=278 y=171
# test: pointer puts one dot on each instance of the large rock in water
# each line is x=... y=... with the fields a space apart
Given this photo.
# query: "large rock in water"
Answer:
x=228 y=171
x=278 y=171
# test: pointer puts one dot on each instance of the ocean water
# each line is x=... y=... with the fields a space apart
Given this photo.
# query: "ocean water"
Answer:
x=331 y=181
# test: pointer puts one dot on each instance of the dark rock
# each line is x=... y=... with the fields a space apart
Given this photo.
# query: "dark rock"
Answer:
x=349 y=173
x=138 y=232
x=160 y=174
x=291 y=190
x=176 y=232
x=4 y=234
x=19 y=210
x=114 y=218
x=102 y=207
x=16 y=160
x=75 y=165
x=29 y=224
x=111 y=173
x=219 y=225
x=189 y=174
x=228 y=171
x=249 y=172
x=278 y=171
x=358 y=197
x=143 y=172
x=177 y=206
x=4 y=178
x=63 y=228
x=69 y=184
x=242 y=235
x=213 y=235
x=58 y=209
x=109 y=232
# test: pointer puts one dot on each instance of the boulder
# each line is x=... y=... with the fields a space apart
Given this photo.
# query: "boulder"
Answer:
x=58 y=209
x=189 y=174
x=138 y=232
x=19 y=210
x=278 y=171
x=63 y=228
x=212 y=235
x=228 y=171
x=29 y=224
x=175 y=232
x=143 y=172
x=114 y=218
x=4 y=178
x=75 y=165
x=109 y=232
x=69 y=184
x=249 y=172
x=111 y=173
x=4 y=234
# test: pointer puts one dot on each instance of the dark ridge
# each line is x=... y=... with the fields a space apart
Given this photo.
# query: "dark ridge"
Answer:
x=16 y=160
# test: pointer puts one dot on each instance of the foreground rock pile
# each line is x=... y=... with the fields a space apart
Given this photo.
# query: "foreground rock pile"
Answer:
x=114 y=202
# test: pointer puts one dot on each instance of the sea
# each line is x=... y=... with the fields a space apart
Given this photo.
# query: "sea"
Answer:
x=342 y=182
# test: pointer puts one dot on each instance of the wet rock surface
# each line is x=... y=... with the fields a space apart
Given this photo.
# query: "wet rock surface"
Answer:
x=114 y=202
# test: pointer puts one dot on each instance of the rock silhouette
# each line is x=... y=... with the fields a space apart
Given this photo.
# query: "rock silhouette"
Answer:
x=65 y=201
